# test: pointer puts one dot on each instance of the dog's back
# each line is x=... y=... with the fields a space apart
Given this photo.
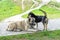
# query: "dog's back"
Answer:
x=38 y=18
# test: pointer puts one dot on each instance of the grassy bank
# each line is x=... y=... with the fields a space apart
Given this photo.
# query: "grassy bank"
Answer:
x=51 y=12
x=40 y=35
x=8 y=9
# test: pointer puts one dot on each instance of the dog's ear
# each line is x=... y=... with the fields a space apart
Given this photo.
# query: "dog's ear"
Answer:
x=29 y=16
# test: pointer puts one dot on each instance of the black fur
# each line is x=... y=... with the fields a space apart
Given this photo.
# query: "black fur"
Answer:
x=38 y=19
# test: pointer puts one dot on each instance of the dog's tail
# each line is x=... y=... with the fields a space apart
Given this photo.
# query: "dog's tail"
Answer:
x=45 y=14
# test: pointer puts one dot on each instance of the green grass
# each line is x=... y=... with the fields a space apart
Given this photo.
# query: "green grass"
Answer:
x=8 y=8
x=51 y=12
x=40 y=35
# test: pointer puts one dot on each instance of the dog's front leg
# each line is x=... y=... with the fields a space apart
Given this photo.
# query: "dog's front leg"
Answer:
x=37 y=26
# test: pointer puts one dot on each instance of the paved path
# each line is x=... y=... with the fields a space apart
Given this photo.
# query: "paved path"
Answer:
x=53 y=24
x=4 y=24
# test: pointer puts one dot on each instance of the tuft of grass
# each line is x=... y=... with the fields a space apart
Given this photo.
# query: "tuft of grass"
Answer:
x=39 y=35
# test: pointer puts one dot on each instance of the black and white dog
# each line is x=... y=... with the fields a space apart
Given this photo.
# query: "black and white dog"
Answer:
x=36 y=19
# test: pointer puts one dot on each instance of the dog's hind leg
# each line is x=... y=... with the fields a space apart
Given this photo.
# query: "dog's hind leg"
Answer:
x=46 y=23
x=44 y=27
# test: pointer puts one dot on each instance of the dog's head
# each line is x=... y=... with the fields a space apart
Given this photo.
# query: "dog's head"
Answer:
x=31 y=18
x=31 y=14
x=11 y=27
x=32 y=22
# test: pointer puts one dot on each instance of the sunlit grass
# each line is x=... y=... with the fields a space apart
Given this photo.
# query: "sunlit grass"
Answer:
x=39 y=35
x=8 y=8
x=51 y=12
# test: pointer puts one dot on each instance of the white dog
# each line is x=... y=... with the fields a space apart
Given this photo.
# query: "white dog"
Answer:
x=18 y=25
